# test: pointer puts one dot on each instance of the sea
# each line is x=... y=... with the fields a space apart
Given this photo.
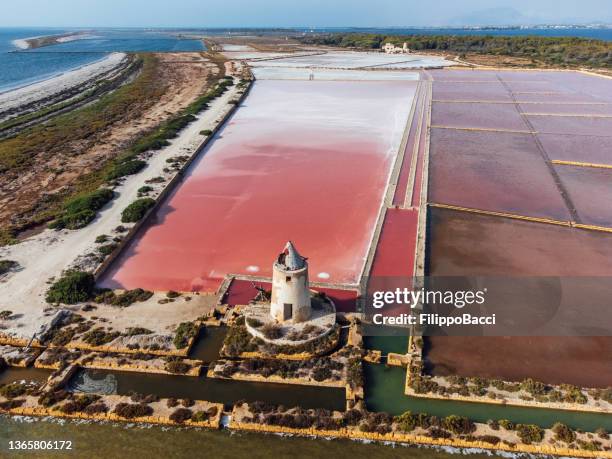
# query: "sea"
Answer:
x=22 y=67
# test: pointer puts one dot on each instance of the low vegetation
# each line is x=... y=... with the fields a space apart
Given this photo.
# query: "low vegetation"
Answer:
x=99 y=336
x=122 y=299
x=238 y=340
x=80 y=127
x=133 y=410
x=7 y=265
x=555 y=51
x=73 y=287
x=136 y=210
x=184 y=332
x=176 y=365
x=321 y=369
x=80 y=211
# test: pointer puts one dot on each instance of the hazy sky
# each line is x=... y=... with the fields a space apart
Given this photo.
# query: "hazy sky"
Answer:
x=297 y=13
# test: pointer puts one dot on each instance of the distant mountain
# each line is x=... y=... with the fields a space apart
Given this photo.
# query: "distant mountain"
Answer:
x=494 y=17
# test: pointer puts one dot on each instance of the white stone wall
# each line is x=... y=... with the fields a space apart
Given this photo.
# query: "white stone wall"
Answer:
x=290 y=287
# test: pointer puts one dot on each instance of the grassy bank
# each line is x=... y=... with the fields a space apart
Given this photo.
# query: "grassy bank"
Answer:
x=70 y=134
x=555 y=51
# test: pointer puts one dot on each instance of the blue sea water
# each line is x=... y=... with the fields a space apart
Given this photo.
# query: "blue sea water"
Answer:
x=126 y=40
x=21 y=67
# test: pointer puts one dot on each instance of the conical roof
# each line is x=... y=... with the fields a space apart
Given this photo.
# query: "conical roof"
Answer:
x=290 y=258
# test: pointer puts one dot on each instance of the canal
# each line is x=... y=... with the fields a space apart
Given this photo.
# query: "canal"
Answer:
x=385 y=392
x=223 y=391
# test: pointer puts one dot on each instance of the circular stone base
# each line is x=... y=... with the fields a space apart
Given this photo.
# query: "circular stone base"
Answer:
x=262 y=325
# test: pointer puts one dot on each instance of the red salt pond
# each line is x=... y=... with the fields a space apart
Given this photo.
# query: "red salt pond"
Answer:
x=396 y=250
x=393 y=265
x=302 y=160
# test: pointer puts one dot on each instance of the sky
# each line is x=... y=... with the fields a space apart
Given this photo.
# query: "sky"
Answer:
x=298 y=13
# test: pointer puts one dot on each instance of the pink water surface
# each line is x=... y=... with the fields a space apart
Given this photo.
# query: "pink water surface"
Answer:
x=302 y=160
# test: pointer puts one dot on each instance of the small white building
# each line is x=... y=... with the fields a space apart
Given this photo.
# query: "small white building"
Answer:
x=290 y=289
x=390 y=48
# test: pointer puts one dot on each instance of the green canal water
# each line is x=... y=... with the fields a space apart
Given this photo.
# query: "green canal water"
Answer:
x=223 y=391
x=385 y=392
x=208 y=344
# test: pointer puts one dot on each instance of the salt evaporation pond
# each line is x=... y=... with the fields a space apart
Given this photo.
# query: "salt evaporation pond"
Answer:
x=302 y=160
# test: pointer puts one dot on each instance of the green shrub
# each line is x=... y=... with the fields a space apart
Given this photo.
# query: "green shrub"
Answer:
x=91 y=201
x=12 y=390
x=184 y=332
x=133 y=331
x=458 y=424
x=181 y=415
x=73 y=221
x=74 y=287
x=124 y=168
x=7 y=265
x=563 y=433
x=406 y=422
x=136 y=210
x=107 y=249
x=206 y=132
x=132 y=410
x=131 y=296
x=176 y=365
x=529 y=433
x=200 y=416
x=144 y=190
x=79 y=403
x=533 y=387
x=80 y=211
x=48 y=399
x=101 y=239
x=508 y=425
x=272 y=331
x=253 y=322
x=98 y=336
x=6 y=314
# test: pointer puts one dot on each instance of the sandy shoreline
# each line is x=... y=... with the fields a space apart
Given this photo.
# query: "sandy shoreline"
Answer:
x=27 y=94
x=28 y=42
x=22 y=43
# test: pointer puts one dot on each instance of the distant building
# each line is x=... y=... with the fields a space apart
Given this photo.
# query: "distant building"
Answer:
x=290 y=291
x=390 y=48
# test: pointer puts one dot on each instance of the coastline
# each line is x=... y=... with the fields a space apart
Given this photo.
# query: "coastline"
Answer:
x=13 y=97
x=48 y=40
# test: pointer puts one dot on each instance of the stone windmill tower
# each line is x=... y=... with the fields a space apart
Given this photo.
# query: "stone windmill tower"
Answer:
x=290 y=291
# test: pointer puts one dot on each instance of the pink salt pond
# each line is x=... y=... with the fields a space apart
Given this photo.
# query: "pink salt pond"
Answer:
x=302 y=160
